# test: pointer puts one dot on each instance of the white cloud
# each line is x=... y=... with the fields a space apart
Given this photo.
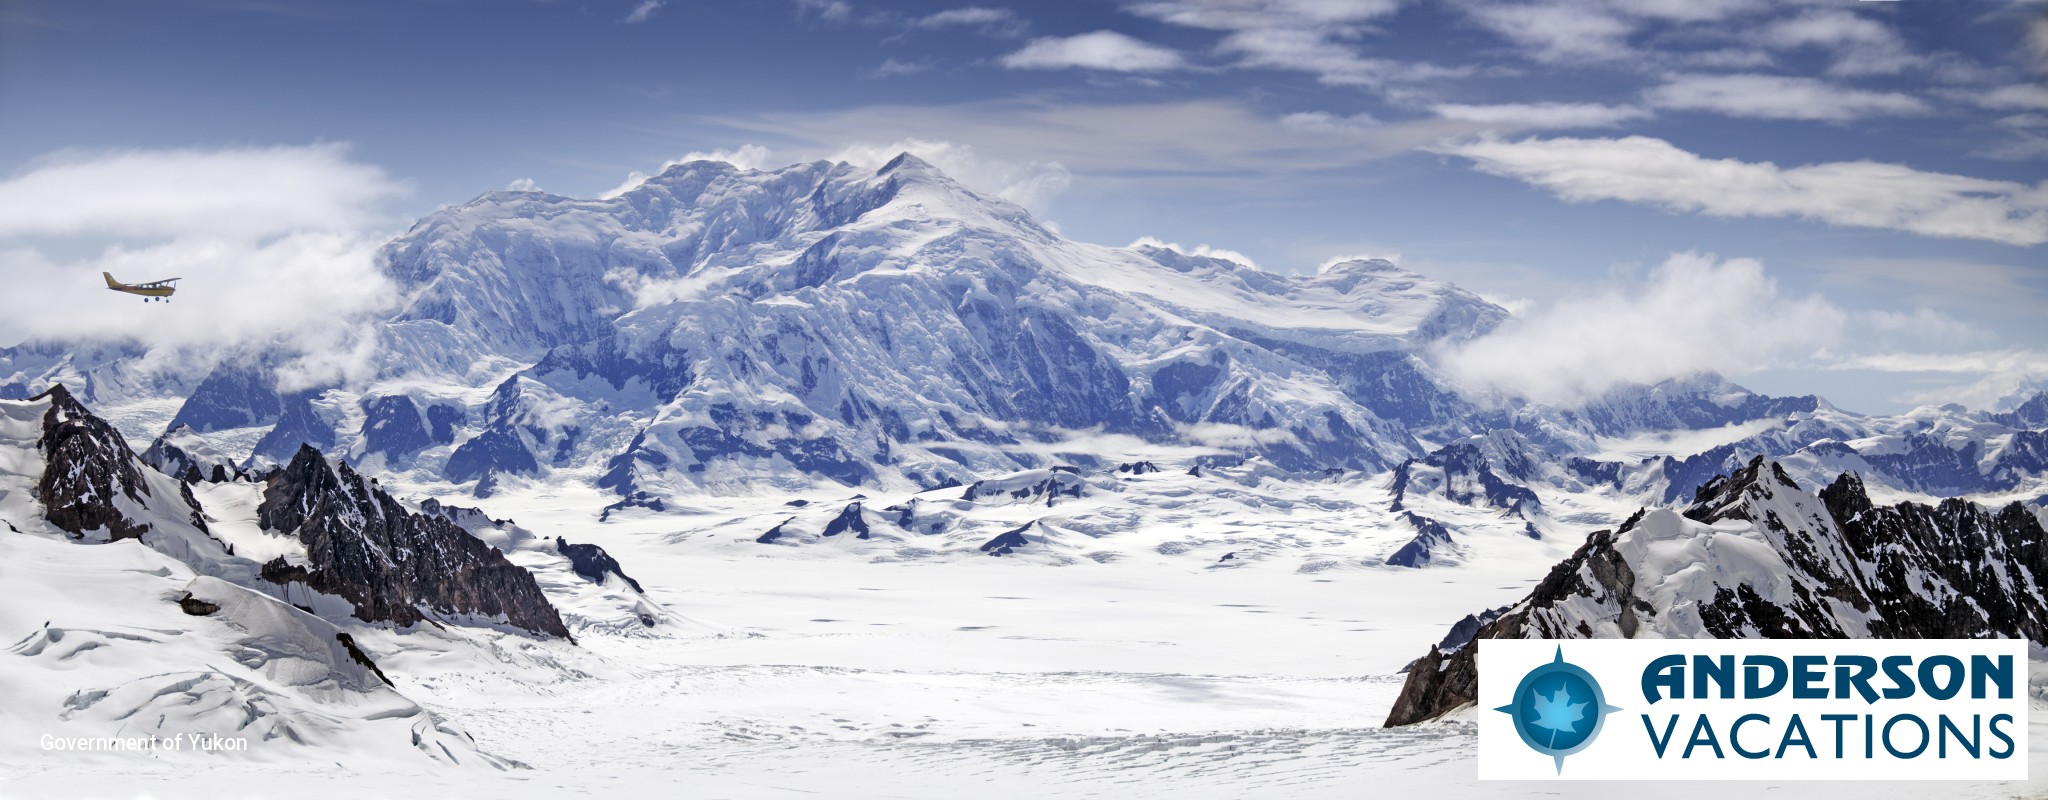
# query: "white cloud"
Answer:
x=1694 y=314
x=1867 y=194
x=1540 y=116
x=522 y=185
x=1779 y=97
x=993 y=21
x=1559 y=32
x=1324 y=122
x=746 y=156
x=1189 y=139
x=2020 y=96
x=2001 y=376
x=1313 y=36
x=276 y=248
x=1103 y=50
x=1199 y=251
x=2037 y=40
x=1031 y=184
x=242 y=192
x=828 y=10
x=892 y=68
x=643 y=12
x=1861 y=45
x=1922 y=327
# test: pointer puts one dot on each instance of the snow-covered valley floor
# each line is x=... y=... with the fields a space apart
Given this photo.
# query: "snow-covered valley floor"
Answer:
x=837 y=670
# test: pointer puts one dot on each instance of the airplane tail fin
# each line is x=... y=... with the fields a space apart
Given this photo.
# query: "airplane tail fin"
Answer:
x=111 y=283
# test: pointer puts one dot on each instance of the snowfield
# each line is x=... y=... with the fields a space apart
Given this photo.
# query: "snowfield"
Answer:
x=921 y=500
x=1135 y=663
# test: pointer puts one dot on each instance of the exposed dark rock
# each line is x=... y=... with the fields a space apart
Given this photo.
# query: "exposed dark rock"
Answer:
x=849 y=519
x=1061 y=483
x=357 y=655
x=1137 y=468
x=392 y=564
x=1463 y=631
x=774 y=533
x=493 y=451
x=298 y=425
x=87 y=465
x=592 y=563
x=195 y=606
x=1007 y=541
x=234 y=395
x=182 y=454
x=634 y=500
x=1471 y=477
x=393 y=426
x=1431 y=538
x=1952 y=570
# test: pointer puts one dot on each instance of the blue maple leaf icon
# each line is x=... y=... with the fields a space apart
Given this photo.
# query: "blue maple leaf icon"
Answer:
x=1557 y=712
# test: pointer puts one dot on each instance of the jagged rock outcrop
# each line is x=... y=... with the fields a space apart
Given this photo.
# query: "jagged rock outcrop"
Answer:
x=299 y=424
x=236 y=394
x=392 y=564
x=1475 y=472
x=394 y=427
x=1007 y=542
x=87 y=470
x=1834 y=565
x=183 y=453
x=1030 y=485
x=1432 y=543
x=592 y=563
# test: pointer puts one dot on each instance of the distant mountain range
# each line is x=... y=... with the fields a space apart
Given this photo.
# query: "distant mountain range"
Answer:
x=716 y=329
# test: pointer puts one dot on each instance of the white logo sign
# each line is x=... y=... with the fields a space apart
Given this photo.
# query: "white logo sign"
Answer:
x=1751 y=709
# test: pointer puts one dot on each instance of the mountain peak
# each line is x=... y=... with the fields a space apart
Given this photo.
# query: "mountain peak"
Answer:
x=905 y=162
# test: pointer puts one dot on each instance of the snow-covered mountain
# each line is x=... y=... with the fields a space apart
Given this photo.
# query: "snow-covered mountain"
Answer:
x=1757 y=556
x=256 y=610
x=724 y=330
x=865 y=416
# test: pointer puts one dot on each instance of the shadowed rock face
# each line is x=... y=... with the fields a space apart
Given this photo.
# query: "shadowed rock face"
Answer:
x=392 y=564
x=181 y=453
x=87 y=465
x=592 y=563
x=1854 y=569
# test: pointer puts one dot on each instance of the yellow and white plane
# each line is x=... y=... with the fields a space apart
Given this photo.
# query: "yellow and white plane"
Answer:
x=153 y=290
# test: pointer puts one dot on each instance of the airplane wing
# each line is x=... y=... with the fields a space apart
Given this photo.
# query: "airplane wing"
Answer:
x=158 y=284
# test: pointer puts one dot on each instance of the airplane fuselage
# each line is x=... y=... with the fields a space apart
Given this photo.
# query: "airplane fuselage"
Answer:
x=154 y=290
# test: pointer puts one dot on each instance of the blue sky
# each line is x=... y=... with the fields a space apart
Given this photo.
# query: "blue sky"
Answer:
x=1846 y=197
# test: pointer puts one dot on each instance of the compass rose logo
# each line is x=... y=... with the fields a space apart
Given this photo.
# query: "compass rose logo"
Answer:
x=1558 y=709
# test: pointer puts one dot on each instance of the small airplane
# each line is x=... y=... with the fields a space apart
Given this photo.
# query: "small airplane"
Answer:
x=153 y=290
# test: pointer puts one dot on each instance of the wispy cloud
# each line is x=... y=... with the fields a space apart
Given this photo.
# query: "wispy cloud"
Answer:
x=746 y=156
x=643 y=12
x=1861 y=45
x=2000 y=376
x=1559 y=32
x=244 y=192
x=2016 y=96
x=1318 y=37
x=894 y=68
x=1867 y=194
x=1102 y=50
x=1780 y=97
x=1032 y=184
x=1695 y=313
x=992 y=21
x=1542 y=116
x=1163 y=140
